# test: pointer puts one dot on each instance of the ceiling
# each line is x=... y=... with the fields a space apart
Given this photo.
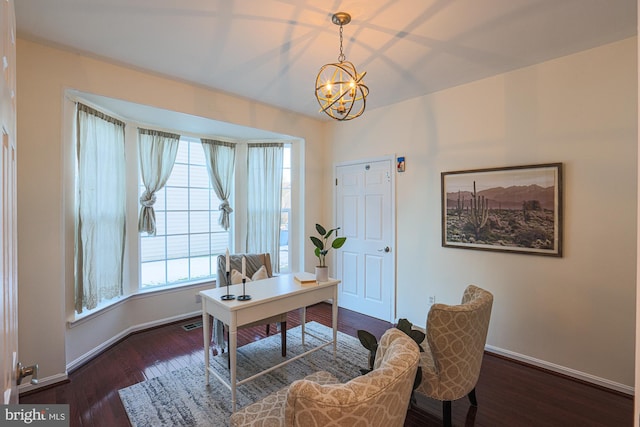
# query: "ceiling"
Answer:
x=271 y=50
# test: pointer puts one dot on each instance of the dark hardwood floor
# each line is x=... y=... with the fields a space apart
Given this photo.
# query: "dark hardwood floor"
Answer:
x=509 y=393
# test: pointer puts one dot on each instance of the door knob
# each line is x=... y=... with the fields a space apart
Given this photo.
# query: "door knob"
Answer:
x=25 y=371
x=386 y=249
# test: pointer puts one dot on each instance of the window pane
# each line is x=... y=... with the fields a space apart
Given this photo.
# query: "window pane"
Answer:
x=177 y=270
x=200 y=267
x=177 y=222
x=199 y=199
x=197 y=153
x=152 y=248
x=161 y=228
x=177 y=198
x=286 y=178
x=179 y=176
x=153 y=273
x=177 y=246
x=219 y=242
x=285 y=209
x=188 y=236
x=199 y=244
x=199 y=222
x=199 y=177
x=183 y=152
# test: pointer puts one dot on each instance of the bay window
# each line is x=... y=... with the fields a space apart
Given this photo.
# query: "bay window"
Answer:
x=180 y=233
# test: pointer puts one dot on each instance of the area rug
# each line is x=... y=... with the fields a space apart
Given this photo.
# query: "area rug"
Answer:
x=181 y=398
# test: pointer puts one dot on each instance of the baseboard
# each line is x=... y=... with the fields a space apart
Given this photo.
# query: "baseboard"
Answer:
x=75 y=364
x=563 y=370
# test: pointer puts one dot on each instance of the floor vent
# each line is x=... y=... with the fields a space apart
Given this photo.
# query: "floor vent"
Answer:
x=192 y=326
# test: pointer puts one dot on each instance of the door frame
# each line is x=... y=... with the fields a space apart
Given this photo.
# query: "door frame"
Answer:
x=392 y=159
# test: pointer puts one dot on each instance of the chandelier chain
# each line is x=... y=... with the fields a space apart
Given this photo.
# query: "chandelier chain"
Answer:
x=341 y=57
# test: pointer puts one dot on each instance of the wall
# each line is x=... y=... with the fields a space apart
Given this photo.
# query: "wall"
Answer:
x=574 y=314
x=45 y=265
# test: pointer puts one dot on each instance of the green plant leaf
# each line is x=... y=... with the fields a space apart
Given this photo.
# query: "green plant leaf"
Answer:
x=338 y=242
x=405 y=326
x=367 y=339
x=418 y=379
x=320 y=229
x=418 y=336
x=317 y=242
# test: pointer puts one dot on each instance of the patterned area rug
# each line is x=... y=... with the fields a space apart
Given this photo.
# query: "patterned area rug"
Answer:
x=180 y=398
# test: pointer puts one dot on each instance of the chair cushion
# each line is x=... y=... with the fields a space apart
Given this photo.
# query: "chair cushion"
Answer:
x=260 y=274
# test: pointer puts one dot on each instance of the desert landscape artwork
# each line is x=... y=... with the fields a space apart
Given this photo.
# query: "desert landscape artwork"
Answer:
x=509 y=209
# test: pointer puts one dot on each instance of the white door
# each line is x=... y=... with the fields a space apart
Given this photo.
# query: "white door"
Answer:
x=365 y=213
x=8 y=251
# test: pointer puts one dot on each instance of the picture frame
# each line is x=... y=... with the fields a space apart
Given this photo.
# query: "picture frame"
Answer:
x=507 y=209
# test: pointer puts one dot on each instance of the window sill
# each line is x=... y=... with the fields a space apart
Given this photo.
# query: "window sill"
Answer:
x=87 y=315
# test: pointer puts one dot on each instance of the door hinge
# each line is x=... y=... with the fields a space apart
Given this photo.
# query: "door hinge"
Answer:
x=336 y=182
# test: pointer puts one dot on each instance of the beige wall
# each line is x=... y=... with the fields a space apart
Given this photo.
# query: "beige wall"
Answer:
x=45 y=264
x=574 y=313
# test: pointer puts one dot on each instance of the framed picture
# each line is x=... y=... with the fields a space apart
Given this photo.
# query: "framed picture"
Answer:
x=509 y=209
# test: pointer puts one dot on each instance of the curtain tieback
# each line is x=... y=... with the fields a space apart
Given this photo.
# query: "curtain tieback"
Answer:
x=225 y=207
x=148 y=199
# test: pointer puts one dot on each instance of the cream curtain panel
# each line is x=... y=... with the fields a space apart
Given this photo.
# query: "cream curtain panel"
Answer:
x=100 y=207
x=264 y=194
x=157 y=151
x=221 y=158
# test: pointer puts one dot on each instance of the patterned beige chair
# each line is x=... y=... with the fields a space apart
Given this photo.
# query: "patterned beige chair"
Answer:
x=379 y=398
x=456 y=336
x=258 y=266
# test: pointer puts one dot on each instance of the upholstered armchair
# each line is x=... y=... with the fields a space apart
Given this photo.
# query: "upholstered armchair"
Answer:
x=258 y=266
x=379 y=398
x=454 y=346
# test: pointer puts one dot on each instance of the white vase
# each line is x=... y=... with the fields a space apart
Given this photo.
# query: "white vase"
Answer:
x=322 y=274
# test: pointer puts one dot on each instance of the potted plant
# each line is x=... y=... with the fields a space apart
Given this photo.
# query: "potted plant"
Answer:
x=370 y=342
x=323 y=244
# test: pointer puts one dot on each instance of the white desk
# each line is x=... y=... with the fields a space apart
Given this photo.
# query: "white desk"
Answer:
x=269 y=297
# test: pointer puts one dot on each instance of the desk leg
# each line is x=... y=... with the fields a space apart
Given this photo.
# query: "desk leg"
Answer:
x=207 y=340
x=334 y=321
x=303 y=321
x=233 y=344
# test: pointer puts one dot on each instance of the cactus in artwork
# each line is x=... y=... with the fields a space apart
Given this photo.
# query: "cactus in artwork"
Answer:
x=478 y=211
x=459 y=206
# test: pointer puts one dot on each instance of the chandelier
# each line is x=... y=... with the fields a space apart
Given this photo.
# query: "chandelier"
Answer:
x=340 y=90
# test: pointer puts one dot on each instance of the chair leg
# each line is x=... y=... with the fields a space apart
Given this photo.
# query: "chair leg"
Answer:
x=472 y=397
x=446 y=413
x=283 y=338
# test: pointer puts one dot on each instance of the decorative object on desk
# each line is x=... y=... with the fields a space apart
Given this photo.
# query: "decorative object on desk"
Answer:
x=227 y=296
x=305 y=278
x=323 y=245
x=507 y=209
x=369 y=341
x=244 y=296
